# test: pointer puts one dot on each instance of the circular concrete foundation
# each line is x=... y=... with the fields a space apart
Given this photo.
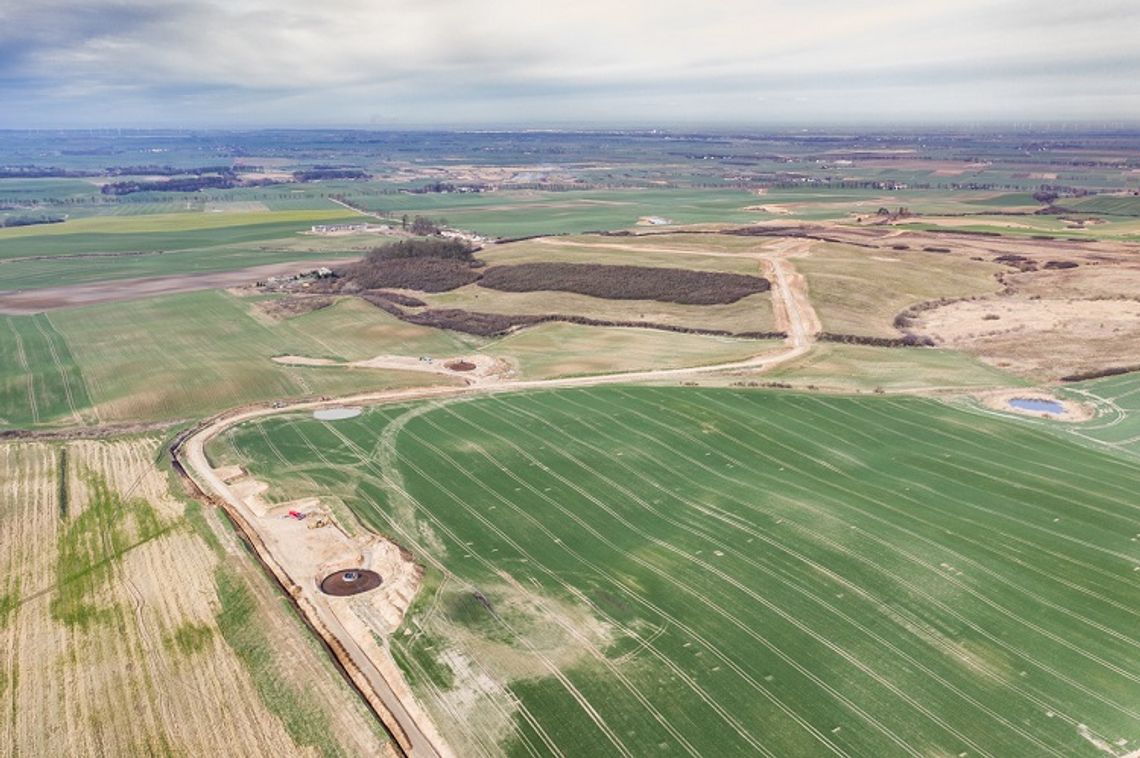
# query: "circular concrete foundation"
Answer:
x=351 y=581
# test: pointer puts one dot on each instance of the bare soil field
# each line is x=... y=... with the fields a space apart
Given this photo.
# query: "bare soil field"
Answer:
x=132 y=628
x=39 y=300
x=1045 y=338
x=1048 y=321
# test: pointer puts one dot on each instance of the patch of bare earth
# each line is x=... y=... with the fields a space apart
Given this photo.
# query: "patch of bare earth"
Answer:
x=1070 y=309
x=1045 y=338
x=308 y=549
x=475 y=369
x=288 y=307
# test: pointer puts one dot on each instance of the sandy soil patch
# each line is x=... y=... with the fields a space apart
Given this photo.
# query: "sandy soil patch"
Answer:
x=301 y=360
x=485 y=370
x=1000 y=401
x=886 y=260
x=1103 y=279
x=968 y=221
x=309 y=553
x=337 y=414
x=1040 y=337
x=474 y=369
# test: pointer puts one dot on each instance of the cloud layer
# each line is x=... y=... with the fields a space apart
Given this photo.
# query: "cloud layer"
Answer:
x=503 y=62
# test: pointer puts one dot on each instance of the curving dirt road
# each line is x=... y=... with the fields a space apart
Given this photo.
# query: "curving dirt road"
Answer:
x=413 y=729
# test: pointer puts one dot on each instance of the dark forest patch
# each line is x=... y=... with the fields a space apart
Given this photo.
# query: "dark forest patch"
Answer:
x=431 y=265
x=669 y=285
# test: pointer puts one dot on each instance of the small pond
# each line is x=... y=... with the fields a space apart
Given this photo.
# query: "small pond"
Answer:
x=336 y=414
x=1037 y=405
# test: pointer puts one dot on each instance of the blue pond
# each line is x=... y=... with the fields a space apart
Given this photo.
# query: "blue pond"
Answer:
x=1036 y=405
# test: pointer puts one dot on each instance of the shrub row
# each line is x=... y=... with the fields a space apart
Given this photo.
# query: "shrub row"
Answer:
x=393 y=297
x=907 y=340
x=1100 y=373
x=496 y=324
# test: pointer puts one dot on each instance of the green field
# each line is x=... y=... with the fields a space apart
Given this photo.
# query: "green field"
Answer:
x=159 y=231
x=642 y=571
x=1113 y=205
x=60 y=270
x=102 y=247
x=860 y=367
x=553 y=350
x=39 y=378
x=1118 y=424
x=182 y=356
x=518 y=213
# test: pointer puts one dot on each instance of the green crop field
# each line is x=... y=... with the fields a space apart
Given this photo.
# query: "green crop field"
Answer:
x=552 y=350
x=184 y=355
x=862 y=367
x=1115 y=205
x=1118 y=424
x=519 y=213
x=150 y=232
x=39 y=379
x=635 y=571
x=60 y=270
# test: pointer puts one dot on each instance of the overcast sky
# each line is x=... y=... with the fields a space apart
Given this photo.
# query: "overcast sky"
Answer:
x=393 y=63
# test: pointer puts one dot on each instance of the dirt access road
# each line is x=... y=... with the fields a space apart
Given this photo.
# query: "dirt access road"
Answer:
x=408 y=721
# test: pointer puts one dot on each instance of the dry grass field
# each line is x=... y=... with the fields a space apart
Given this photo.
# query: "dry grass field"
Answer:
x=554 y=350
x=702 y=252
x=1051 y=322
x=134 y=625
x=749 y=314
x=862 y=367
x=859 y=291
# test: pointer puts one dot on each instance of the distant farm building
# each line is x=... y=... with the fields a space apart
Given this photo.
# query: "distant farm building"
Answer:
x=331 y=228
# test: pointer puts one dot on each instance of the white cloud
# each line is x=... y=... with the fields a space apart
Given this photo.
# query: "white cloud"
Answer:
x=339 y=61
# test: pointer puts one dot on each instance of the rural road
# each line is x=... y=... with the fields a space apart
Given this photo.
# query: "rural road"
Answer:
x=794 y=313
